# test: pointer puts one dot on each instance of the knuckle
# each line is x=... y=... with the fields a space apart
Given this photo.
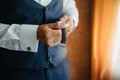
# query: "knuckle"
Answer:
x=47 y=36
x=49 y=43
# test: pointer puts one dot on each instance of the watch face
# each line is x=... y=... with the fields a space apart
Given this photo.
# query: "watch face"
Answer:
x=63 y=23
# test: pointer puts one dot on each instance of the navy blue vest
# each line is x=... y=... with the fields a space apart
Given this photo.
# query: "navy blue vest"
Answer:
x=30 y=12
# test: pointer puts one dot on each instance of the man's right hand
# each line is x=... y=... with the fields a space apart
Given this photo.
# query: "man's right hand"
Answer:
x=50 y=34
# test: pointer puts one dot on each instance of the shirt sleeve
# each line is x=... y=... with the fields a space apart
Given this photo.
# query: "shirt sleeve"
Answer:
x=70 y=9
x=19 y=37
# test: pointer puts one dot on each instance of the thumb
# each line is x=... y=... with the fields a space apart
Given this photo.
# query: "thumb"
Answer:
x=64 y=18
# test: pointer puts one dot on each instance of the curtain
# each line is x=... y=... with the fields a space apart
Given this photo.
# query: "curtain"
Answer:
x=104 y=26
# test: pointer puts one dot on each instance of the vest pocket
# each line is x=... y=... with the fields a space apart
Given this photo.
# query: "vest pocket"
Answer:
x=57 y=54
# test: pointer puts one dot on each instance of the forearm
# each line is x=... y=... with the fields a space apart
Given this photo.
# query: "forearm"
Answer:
x=18 y=37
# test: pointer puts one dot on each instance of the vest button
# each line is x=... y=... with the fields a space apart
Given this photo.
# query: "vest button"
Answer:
x=46 y=9
x=28 y=48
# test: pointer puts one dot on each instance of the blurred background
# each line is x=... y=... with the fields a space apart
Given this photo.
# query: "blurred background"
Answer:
x=94 y=46
x=79 y=43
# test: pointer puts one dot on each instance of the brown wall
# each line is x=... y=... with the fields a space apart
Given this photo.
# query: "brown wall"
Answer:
x=79 y=43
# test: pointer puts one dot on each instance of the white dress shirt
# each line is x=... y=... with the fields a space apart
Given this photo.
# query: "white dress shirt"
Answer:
x=23 y=37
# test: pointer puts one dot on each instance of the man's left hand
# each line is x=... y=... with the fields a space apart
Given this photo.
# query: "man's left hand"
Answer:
x=69 y=24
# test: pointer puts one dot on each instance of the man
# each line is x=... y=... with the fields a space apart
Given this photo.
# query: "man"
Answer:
x=30 y=38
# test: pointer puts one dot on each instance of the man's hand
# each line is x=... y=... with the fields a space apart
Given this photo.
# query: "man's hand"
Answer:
x=50 y=34
x=69 y=22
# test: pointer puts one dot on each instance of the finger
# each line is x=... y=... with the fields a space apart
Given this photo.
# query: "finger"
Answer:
x=70 y=22
x=54 y=38
x=56 y=26
x=63 y=23
x=55 y=34
x=64 y=18
x=70 y=26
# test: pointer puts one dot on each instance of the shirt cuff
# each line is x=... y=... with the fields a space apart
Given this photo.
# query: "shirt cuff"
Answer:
x=28 y=38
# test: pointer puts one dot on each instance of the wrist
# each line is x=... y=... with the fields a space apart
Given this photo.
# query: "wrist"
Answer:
x=38 y=33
